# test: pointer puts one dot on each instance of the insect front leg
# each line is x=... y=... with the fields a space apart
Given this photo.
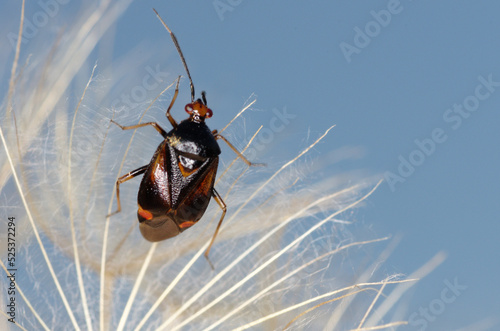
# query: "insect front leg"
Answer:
x=124 y=178
x=222 y=206
x=170 y=118
x=153 y=124
x=219 y=136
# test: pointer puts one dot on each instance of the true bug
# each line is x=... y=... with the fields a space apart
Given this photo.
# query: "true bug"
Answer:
x=179 y=180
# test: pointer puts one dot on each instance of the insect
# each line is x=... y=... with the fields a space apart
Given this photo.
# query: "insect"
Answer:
x=178 y=183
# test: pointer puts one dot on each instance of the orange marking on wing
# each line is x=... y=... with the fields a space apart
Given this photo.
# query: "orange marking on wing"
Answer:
x=186 y=171
x=186 y=224
x=145 y=213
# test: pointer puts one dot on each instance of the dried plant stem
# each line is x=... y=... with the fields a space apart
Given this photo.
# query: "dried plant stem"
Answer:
x=78 y=267
x=256 y=270
x=135 y=289
x=316 y=298
x=106 y=224
x=287 y=276
x=35 y=231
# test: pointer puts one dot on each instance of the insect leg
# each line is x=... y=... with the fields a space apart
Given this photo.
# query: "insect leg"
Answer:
x=170 y=118
x=122 y=179
x=222 y=205
x=153 y=124
x=219 y=136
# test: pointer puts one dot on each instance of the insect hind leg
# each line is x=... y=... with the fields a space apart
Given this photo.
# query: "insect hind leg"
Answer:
x=223 y=206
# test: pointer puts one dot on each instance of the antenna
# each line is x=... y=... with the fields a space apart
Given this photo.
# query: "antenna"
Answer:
x=176 y=43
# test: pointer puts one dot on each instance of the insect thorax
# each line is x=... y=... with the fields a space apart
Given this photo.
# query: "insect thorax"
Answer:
x=194 y=138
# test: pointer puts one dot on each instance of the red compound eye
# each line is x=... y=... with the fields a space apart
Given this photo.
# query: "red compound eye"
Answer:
x=189 y=108
x=209 y=113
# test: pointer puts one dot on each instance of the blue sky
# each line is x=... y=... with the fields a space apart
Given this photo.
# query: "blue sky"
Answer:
x=416 y=84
